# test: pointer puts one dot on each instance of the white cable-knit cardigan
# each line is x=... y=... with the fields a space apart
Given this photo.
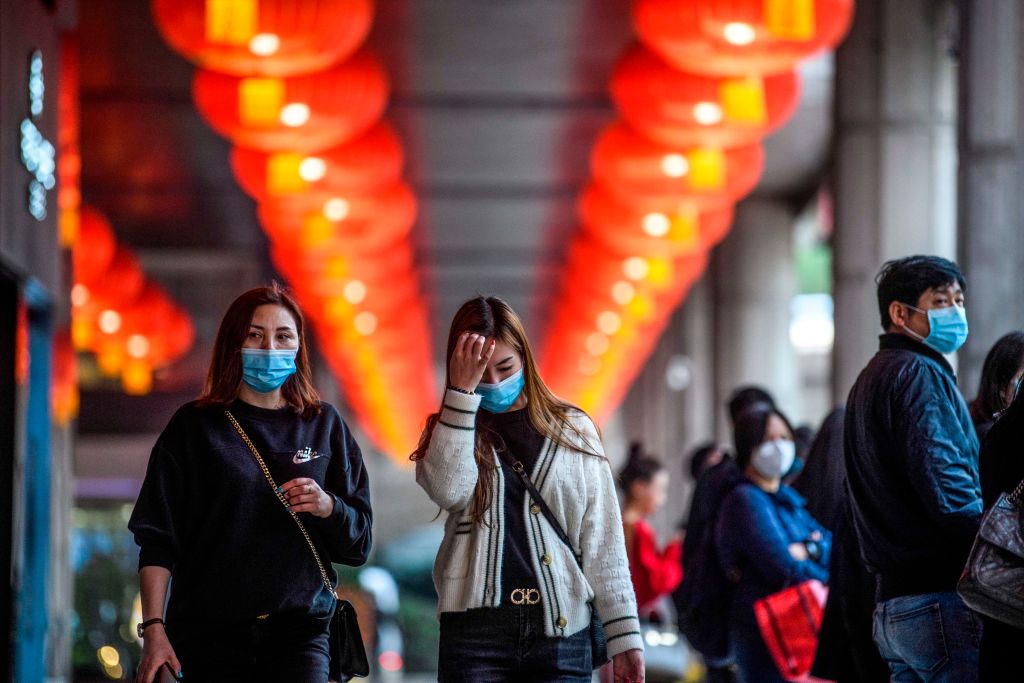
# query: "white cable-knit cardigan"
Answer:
x=580 y=491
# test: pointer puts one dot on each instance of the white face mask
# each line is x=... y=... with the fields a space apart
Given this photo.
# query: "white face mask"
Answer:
x=772 y=459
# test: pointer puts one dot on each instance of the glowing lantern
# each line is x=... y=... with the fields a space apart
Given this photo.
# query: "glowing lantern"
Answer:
x=675 y=228
x=69 y=195
x=682 y=109
x=264 y=37
x=322 y=221
x=638 y=171
x=95 y=247
x=64 y=397
x=307 y=113
x=363 y=165
x=726 y=37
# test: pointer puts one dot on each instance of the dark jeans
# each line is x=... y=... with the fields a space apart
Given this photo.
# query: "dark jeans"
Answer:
x=494 y=645
x=277 y=649
x=929 y=637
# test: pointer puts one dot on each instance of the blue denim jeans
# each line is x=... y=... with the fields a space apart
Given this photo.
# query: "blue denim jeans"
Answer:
x=278 y=649
x=499 y=644
x=930 y=637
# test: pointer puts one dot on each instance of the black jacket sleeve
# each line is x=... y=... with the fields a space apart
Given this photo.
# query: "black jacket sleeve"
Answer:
x=158 y=518
x=348 y=530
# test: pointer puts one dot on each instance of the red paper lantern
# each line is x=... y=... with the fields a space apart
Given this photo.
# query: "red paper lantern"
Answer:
x=95 y=247
x=364 y=165
x=264 y=37
x=302 y=114
x=321 y=221
x=728 y=37
x=682 y=109
x=669 y=228
x=643 y=173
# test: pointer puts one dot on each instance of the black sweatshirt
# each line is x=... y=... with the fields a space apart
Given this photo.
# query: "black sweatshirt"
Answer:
x=523 y=442
x=207 y=513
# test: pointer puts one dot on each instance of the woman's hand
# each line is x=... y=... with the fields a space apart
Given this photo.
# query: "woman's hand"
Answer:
x=157 y=652
x=628 y=667
x=305 y=495
x=469 y=360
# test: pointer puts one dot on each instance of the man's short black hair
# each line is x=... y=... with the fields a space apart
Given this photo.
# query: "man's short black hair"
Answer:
x=747 y=396
x=905 y=280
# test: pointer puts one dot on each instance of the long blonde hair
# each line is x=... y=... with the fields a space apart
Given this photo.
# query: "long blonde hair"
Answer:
x=549 y=415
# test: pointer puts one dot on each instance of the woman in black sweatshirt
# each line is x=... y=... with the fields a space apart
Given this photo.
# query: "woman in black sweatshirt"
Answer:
x=248 y=600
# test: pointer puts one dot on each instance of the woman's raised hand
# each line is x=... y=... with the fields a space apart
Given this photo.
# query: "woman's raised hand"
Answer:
x=468 y=361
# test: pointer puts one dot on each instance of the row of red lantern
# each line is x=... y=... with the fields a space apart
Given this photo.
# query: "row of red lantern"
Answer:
x=129 y=322
x=288 y=82
x=713 y=78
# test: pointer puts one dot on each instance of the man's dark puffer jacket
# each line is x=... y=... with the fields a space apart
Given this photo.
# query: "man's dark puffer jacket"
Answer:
x=912 y=469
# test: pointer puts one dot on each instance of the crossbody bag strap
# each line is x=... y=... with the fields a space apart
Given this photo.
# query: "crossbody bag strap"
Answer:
x=520 y=470
x=280 y=497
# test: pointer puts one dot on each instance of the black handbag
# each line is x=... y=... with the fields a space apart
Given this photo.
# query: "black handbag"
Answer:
x=348 y=654
x=991 y=581
x=598 y=643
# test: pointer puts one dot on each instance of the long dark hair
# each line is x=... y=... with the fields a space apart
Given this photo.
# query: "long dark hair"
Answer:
x=225 y=373
x=549 y=415
x=1001 y=365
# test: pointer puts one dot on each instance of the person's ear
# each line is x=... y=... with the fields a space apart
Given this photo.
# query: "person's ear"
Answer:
x=898 y=313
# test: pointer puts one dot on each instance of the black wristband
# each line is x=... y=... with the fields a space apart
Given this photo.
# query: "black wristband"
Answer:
x=141 y=628
x=462 y=391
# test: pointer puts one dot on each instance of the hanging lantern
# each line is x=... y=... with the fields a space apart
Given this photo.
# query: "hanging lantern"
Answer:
x=95 y=247
x=69 y=169
x=366 y=164
x=319 y=221
x=727 y=37
x=643 y=173
x=682 y=109
x=264 y=37
x=676 y=228
x=304 y=114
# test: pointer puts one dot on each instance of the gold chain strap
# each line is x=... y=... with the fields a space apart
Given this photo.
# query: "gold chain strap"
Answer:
x=280 y=497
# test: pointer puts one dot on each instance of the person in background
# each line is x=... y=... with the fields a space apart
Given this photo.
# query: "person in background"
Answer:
x=1000 y=381
x=846 y=651
x=512 y=596
x=656 y=573
x=803 y=437
x=705 y=457
x=747 y=396
x=248 y=600
x=823 y=477
x=912 y=471
x=766 y=539
x=1002 y=468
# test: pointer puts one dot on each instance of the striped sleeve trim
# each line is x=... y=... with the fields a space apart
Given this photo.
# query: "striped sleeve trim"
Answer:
x=459 y=410
x=455 y=426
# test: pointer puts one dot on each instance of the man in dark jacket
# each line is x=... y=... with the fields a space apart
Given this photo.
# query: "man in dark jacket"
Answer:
x=912 y=467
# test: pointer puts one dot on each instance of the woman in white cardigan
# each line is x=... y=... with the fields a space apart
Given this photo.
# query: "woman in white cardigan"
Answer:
x=514 y=600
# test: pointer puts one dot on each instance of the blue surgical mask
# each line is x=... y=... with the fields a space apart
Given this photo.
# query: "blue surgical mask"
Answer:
x=948 y=328
x=497 y=398
x=266 y=369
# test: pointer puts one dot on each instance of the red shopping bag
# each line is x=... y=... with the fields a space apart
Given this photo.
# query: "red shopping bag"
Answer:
x=789 y=621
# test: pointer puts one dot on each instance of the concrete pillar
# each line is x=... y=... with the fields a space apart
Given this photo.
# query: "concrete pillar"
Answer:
x=755 y=279
x=895 y=167
x=671 y=405
x=991 y=180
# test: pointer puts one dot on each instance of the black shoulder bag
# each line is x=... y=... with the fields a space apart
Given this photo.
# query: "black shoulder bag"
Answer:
x=348 y=655
x=994 y=573
x=598 y=644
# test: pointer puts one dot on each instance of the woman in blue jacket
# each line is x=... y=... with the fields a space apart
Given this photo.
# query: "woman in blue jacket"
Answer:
x=766 y=538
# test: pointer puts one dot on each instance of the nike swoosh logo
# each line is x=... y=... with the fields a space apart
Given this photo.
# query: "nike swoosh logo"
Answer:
x=300 y=458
